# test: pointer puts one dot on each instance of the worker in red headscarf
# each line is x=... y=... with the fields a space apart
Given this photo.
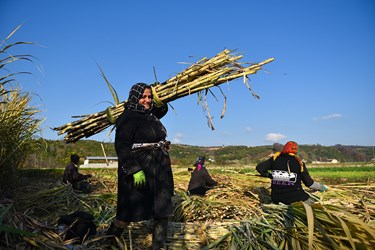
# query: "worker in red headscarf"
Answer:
x=287 y=172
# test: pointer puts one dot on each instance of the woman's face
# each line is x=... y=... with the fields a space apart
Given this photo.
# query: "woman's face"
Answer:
x=146 y=99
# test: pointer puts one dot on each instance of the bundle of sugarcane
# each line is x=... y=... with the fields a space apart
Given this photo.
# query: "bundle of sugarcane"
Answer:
x=202 y=75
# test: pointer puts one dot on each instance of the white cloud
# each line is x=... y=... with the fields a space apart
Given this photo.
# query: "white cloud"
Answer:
x=248 y=130
x=273 y=137
x=178 y=138
x=328 y=117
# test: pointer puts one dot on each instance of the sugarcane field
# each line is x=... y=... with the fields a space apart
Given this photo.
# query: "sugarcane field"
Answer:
x=237 y=214
x=40 y=208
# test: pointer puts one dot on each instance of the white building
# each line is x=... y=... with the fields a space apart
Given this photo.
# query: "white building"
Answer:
x=100 y=162
x=327 y=161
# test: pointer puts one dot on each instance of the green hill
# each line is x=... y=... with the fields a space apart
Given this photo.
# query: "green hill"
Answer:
x=56 y=154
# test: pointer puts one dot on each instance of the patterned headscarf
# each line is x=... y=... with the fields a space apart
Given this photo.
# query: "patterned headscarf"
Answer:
x=290 y=147
x=135 y=94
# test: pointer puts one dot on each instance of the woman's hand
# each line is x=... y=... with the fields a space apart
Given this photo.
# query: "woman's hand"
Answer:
x=139 y=179
x=324 y=188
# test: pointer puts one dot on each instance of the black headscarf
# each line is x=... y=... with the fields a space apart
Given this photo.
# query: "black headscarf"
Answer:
x=135 y=94
x=200 y=160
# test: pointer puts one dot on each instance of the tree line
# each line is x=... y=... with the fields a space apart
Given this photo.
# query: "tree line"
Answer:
x=56 y=153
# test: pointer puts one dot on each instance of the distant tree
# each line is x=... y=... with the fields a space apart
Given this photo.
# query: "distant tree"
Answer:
x=277 y=147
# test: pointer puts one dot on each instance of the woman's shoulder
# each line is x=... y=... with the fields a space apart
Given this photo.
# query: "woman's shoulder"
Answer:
x=129 y=115
x=284 y=158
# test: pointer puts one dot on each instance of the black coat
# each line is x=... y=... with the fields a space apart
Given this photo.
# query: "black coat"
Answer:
x=201 y=179
x=155 y=199
x=285 y=187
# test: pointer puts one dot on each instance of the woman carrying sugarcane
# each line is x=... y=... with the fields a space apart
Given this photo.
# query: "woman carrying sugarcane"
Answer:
x=145 y=180
x=287 y=174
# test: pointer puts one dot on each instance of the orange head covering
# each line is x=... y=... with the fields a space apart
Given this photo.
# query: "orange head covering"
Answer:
x=290 y=147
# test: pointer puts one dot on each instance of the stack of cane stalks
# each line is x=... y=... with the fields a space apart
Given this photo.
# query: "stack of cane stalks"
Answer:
x=200 y=76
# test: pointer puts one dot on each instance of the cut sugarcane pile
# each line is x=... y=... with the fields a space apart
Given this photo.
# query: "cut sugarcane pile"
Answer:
x=342 y=219
x=202 y=75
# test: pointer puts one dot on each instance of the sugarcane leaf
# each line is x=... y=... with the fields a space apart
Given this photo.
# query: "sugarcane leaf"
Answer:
x=8 y=229
x=113 y=91
x=3 y=213
x=347 y=232
x=11 y=34
x=310 y=223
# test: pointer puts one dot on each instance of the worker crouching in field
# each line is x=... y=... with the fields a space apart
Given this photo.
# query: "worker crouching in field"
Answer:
x=200 y=181
x=287 y=174
x=72 y=176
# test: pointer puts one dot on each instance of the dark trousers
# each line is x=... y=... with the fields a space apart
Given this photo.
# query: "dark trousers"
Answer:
x=159 y=233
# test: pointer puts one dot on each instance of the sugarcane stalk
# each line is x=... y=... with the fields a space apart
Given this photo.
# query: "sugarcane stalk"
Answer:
x=195 y=70
x=199 y=84
x=203 y=66
x=202 y=75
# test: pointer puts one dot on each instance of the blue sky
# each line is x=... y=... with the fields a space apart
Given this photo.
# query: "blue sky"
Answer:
x=319 y=90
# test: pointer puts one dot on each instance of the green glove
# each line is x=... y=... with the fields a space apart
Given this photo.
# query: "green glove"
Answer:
x=324 y=188
x=139 y=179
